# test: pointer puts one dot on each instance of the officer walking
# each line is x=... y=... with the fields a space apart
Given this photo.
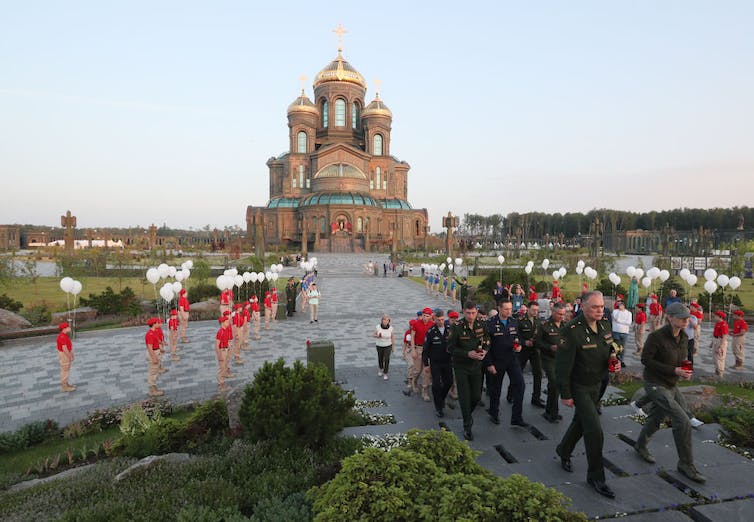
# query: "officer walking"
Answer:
x=436 y=359
x=529 y=328
x=584 y=352
x=662 y=357
x=468 y=344
x=548 y=341
x=502 y=357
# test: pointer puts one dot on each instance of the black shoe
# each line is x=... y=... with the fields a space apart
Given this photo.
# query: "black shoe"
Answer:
x=520 y=423
x=550 y=418
x=440 y=413
x=537 y=403
x=509 y=399
x=601 y=488
x=565 y=462
x=494 y=419
x=599 y=409
x=407 y=393
x=468 y=435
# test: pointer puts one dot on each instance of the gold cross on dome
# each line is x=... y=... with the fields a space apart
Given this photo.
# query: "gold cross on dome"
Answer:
x=377 y=83
x=340 y=31
x=303 y=83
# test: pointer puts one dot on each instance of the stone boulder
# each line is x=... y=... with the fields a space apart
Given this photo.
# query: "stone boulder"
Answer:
x=12 y=321
x=209 y=307
x=83 y=313
x=150 y=461
x=233 y=402
x=698 y=398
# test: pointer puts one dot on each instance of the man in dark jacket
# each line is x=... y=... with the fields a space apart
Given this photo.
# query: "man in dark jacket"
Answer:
x=436 y=360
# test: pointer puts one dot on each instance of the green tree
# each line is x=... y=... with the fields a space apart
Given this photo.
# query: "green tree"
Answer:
x=201 y=270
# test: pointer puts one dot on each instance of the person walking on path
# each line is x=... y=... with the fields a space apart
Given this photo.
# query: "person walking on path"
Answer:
x=65 y=356
x=739 y=339
x=720 y=342
x=290 y=297
x=419 y=329
x=183 y=314
x=468 y=344
x=385 y=345
x=529 y=327
x=640 y=324
x=173 y=325
x=547 y=343
x=621 y=326
x=580 y=363
x=663 y=356
x=655 y=313
x=222 y=344
x=314 y=296
x=152 y=340
x=436 y=361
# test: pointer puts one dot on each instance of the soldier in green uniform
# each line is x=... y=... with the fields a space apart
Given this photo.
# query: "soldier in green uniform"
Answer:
x=468 y=344
x=580 y=361
x=547 y=342
x=528 y=329
x=464 y=289
x=290 y=297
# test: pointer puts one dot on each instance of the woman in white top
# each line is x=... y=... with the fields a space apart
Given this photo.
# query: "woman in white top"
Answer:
x=385 y=341
x=313 y=296
x=622 y=320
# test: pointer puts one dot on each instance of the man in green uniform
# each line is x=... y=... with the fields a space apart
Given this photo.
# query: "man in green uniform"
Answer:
x=662 y=357
x=528 y=329
x=580 y=363
x=468 y=344
x=547 y=342
x=290 y=297
x=463 y=289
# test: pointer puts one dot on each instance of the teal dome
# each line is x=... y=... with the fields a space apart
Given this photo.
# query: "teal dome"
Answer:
x=338 y=198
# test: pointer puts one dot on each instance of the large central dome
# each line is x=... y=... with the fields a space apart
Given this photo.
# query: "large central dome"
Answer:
x=339 y=70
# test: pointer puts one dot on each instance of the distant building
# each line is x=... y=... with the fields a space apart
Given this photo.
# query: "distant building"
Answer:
x=338 y=188
x=10 y=237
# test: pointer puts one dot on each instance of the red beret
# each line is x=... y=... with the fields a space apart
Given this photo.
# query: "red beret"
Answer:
x=63 y=325
x=238 y=306
x=222 y=319
x=640 y=305
x=151 y=321
x=721 y=315
x=653 y=296
x=182 y=292
x=453 y=314
x=619 y=297
x=739 y=313
x=427 y=311
x=532 y=287
x=173 y=312
x=226 y=312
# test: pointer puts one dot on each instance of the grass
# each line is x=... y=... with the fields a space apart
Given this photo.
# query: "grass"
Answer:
x=628 y=389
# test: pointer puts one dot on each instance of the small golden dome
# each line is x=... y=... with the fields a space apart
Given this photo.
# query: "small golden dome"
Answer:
x=339 y=70
x=376 y=108
x=303 y=104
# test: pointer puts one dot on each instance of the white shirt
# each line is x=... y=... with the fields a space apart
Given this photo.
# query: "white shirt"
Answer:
x=313 y=295
x=621 y=321
x=385 y=335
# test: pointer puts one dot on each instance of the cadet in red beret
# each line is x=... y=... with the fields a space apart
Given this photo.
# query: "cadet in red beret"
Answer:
x=163 y=344
x=183 y=314
x=720 y=342
x=237 y=321
x=655 y=313
x=65 y=356
x=267 y=310
x=246 y=313
x=274 y=301
x=419 y=330
x=222 y=345
x=173 y=324
x=152 y=341
x=740 y=327
x=640 y=323
x=255 y=315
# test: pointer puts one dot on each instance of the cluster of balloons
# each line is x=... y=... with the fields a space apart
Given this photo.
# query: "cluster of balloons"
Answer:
x=712 y=280
x=70 y=286
x=530 y=265
x=442 y=266
x=307 y=266
x=231 y=277
x=614 y=278
x=651 y=274
x=559 y=273
x=169 y=290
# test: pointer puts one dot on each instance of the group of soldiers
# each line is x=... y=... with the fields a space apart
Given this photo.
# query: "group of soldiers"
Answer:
x=576 y=356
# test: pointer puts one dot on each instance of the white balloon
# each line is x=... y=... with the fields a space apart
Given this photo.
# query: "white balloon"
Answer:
x=186 y=273
x=723 y=280
x=190 y=264
x=530 y=263
x=442 y=267
x=171 y=271
x=226 y=272
x=260 y=277
x=653 y=272
x=581 y=263
x=163 y=270
x=710 y=274
x=631 y=271
x=153 y=275
x=664 y=275
x=166 y=292
x=710 y=287
x=177 y=287
x=734 y=282
x=556 y=275
x=684 y=273
x=545 y=263
x=302 y=264
x=638 y=273
x=238 y=280
x=579 y=270
x=268 y=275
x=179 y=275
x=253 y=277
x=450 y=266
x=246 y=277
x=230 y=282
x=275 y=276
x=449 y=260
x=501 y=259
x=220 y=282
x=527 y=269
x=691 y=279
x=66 y=284
x=646 y=282
x=562 y=271
x=459 y=261
x=76 y=288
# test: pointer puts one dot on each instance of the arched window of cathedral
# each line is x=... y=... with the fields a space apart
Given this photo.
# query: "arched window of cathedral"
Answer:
x=301 y=176
x=384 y=181
x=418 y=227
x=325 y=111
x=355 y=110
x=378 y=172
x=340 y=112
x=301 y=148
x=377 y=148
x=293 y=179
x=322 y=225
x=359 y=225
x=314 y=223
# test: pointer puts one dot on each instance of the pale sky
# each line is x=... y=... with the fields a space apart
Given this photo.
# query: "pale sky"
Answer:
x=132 y=113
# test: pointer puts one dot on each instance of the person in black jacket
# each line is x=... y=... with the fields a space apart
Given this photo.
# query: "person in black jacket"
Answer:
x=436 y=359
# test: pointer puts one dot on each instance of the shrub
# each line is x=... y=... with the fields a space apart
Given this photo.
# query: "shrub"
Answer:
x=203 y=291
x=8 y=303
x=135 y=421
x=110 y=302
x=293 y=508
x=294 y=405
x=28 y=435
x=193 y=513
x=738 y=425
x=606 y=287
x=37 y=314
x=444 y=449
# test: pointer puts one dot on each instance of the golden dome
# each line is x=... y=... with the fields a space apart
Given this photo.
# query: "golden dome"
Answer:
x=303 y=104
x=376 y=108
x=339 y=70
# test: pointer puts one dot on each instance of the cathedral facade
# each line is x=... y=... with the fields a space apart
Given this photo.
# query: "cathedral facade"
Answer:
x=338 y=188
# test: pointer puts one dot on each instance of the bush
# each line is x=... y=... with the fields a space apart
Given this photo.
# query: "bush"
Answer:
x=28 y=435
x=193 y=513
x=135 y=421
x=111 y=303
x=606 y=287
x=37 y=314
x=202 y=292
x=8 y=303
x=738 y=425
x=293 y=508
x=294 y=405
x=432 y=477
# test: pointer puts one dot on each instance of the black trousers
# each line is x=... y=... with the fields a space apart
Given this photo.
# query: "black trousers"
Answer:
x=495 y=384
x=442 y=381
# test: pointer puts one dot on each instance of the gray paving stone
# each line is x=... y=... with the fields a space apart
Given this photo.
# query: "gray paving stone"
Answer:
x=734 y=511
x=658 y=516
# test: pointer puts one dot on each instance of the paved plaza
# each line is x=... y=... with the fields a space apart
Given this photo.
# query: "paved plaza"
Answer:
x=110 y=370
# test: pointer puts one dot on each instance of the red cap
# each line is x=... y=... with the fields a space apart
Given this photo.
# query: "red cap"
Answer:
x=267 y=293
x=239 y=306
x=173 y=312
x=694 y=305
x=63 y=325
x=182 y=292
x=222 y=319
x=453 y=314
x=739 y=313
x=640 y=305
x=653 y=296
x=427 y=311
x=532 y=287
x=159 y=320
x=151 y=321
x=619 y=297
x=721 y=315
x=226 y=312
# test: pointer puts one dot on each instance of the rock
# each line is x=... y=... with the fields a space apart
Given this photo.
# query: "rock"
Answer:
x=12 y=321
x=147 y=306
x=84 y=313
x=35 y=482
x=698 y=398
x=233 y=403
x=150 y=461
x=211 y=306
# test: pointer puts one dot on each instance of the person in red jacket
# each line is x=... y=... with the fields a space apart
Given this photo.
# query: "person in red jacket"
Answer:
x=655 y=314
x=418 y=333
x=255 y=315
x=173 y=324
x=237 y=320
x=222 y=350
x=740 y=327
x=65 y=356
x=153 y=342
x=246 y=326
x=697 y=312
x=720 y=342
x=274 y=301
x=267 y=310
x=533 y=294
x=556 y=295
x=640 y=322
x=226 y=301
x=183 y=314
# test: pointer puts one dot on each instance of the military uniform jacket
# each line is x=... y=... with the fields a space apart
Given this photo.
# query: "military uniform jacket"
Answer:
x=436 y=347
x=502 y=337
x=528 y=328
x=582 y=355
x=290 y=292
x=662 y=354
x=465 y=337
x=547 y=336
